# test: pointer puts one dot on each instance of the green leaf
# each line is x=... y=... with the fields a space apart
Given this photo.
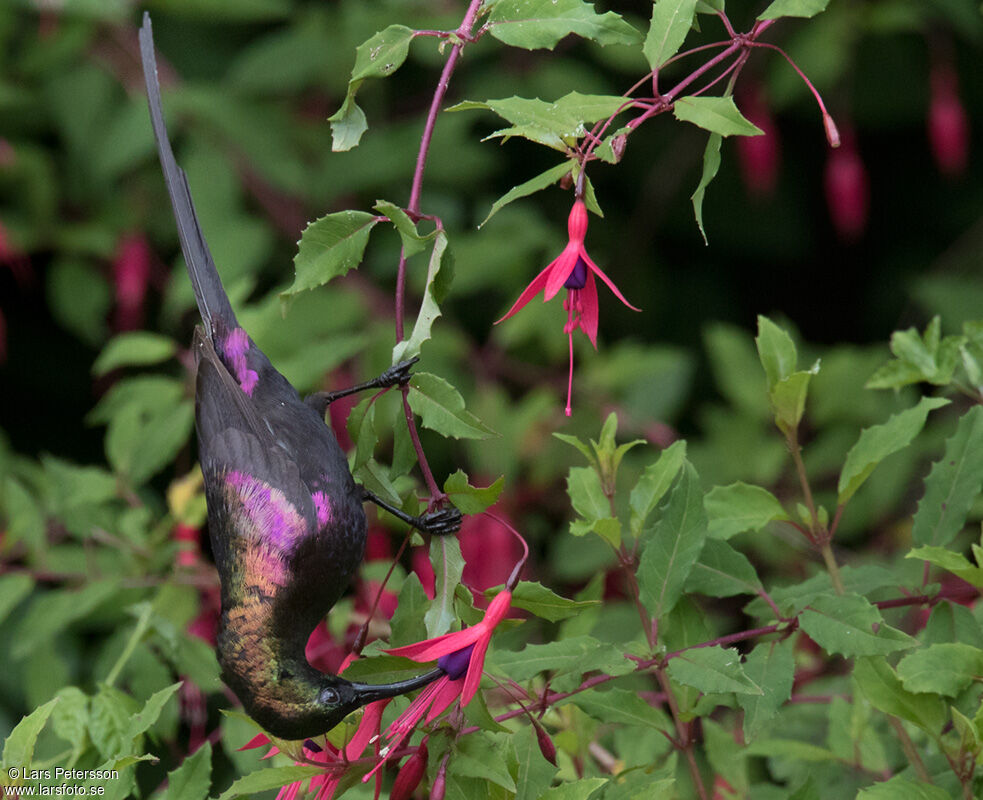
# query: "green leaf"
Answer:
x=622 y=707
x=793 y=8
x=18 y=750
x=882 y=687
x=566 y=660
x=546 y=604
x=586 y=495
x=413 y=242
x=952 y=485
x=671 y=22
x=654 y=483
x=788 y=399
x=550 y=124
x=109 y=721
x=148 y=715
x=722 y=571
x=673 y=546
x=329 y=247
x=441 y=408
x=533 y=24
x=269 y=778
x=878 y=442
x=141 y=442
x=776 y=351
x=899 y=788
x=472 y=499
x=14 y=587
x=407 y=623
x=955 y=563
x=711 y=164
x=531 y=186
x=193 y=778
x=844 y=625
x=70 y=718
x=574 y=790
x=533 y=773
x=378 y=57
x=448 y=565
x=361 y=428
x=771 y=665
x=137 y=348
x=54 y=611
x=740 y=507
x=715 y=114
x=429 y=308
x=790 y=749
x=479 y=756
x=944 y=669
x=712 y=670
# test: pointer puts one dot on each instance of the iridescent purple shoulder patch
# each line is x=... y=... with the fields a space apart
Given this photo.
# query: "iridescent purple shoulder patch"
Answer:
x=273 y=518
x=235 y=347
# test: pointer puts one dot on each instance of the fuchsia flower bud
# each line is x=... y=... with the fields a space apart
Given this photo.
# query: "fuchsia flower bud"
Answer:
x=575 y=271
x=410 y=774
x=131 y=275
x=948 y=125
x=546 y=746
x=847 y=191
x=759 y=157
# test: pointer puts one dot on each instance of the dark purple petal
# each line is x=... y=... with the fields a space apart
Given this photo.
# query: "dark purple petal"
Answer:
x=313 y=746
x=456 y=664
x=578 y=277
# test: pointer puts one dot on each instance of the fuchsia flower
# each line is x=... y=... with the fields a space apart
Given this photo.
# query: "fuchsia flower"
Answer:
x=325 y=784
x=574 y=271
x=461 y=655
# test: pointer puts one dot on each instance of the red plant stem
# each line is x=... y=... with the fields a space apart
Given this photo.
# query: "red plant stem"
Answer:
x=464 y=34
x=683 y=730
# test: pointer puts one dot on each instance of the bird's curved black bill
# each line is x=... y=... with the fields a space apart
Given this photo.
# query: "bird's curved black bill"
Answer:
x=368 y=693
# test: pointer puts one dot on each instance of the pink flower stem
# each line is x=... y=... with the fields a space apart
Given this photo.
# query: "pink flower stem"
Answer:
x=568 y=409
x=514 y=577
x=464 y=36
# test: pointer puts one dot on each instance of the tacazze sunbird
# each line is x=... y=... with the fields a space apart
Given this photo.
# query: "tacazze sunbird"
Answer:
x=285 y=516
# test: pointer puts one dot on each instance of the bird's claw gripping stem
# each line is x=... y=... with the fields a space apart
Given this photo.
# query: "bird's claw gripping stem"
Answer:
x=396 y=375
x=444 y=522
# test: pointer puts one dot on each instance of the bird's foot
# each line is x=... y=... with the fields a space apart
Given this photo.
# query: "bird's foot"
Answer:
x=396 y=375
x=443 y=522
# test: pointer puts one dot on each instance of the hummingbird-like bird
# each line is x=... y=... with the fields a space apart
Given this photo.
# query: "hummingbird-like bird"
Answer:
x=285 y=516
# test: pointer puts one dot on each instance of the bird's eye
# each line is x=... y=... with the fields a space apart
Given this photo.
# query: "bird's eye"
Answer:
x=330 y=697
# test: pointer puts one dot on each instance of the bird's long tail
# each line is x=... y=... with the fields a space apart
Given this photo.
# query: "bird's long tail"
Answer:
x=213 y=303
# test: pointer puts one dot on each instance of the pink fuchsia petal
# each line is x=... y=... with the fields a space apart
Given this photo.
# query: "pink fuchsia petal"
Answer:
x=443 y=697
x=577 y=222
x=367 y=729
x=587 y=301
x=432 y=649
x=534 y=288
x=258 y=740
x=290 y=792
x=473 y=677
x=610 y=284
x=562 y=267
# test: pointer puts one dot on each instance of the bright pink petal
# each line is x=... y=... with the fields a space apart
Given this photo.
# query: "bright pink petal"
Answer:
x=562 y=268
x=497 y=609
x=529 y=293
x=290 y=792
x=444 y=696
x=432 y=649
x=257 y=741
x=473 y=678
x=367 y=728
x=588 y=309
x=328 y=790
x=610 y=284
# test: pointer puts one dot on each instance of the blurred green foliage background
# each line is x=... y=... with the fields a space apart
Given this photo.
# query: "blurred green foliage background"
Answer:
x=248 y=87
